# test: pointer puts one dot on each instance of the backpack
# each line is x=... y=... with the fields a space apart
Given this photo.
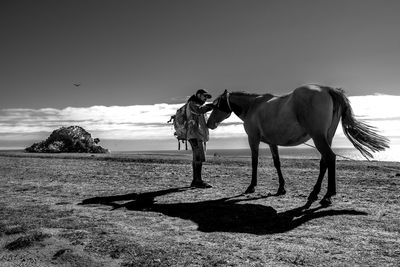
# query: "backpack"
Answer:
x=179 y=121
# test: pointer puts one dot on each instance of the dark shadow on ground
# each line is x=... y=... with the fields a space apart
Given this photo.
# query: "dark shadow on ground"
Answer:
x=222 y=215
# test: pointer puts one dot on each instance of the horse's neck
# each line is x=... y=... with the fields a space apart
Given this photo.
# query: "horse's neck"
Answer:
x=241 y=103
x=266 y=97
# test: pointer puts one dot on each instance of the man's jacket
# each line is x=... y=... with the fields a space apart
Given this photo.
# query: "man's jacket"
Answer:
x=195 y=112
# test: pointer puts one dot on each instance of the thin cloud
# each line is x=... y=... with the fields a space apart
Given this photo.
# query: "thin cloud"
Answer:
x=130 y=122
x=150 y=121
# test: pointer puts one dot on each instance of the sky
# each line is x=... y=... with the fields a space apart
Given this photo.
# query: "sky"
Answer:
x=133 y=58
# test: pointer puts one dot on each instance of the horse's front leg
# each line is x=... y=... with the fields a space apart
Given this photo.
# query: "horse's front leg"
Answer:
x=254 y=146
x=277 y=164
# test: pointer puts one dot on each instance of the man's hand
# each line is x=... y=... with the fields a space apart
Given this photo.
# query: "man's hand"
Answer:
x=210 y=106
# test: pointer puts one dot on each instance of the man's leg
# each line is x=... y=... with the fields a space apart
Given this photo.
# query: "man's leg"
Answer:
x=198 y=159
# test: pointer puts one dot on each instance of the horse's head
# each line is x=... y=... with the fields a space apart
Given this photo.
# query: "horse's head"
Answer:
x=221 y=110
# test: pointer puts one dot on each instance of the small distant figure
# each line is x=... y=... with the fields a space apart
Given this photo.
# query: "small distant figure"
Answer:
x=197 y=133
x=77 y=84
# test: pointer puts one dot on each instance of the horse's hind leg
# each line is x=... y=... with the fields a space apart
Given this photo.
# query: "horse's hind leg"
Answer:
x=317 y=187
x=277 y=164
x=328 y=161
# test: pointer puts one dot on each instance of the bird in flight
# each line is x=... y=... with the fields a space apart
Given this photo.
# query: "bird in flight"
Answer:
x=77 y=84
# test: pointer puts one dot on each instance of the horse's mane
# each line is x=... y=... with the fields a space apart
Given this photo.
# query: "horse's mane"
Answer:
x=244 y=93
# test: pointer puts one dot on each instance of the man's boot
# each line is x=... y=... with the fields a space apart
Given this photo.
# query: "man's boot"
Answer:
x=197 y=181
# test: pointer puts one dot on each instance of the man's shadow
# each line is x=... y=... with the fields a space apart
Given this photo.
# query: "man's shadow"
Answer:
x=222 y=215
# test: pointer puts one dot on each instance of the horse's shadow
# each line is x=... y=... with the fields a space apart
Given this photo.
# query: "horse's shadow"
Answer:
x=222 y=215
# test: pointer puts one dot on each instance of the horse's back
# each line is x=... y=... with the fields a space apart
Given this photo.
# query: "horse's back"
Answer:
x=309 y=91
x=301 y=101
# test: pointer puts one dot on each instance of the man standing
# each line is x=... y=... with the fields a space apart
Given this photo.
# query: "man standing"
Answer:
x=197 y=133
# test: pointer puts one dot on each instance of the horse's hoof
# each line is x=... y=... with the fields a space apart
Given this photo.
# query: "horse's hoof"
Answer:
x=326 y=202
x=200 y=184
x=312 y=198
x=307 y=205
x=250 y=190
x=281 y=192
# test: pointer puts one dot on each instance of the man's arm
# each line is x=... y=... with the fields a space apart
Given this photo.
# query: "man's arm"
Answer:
x=194 y=110
x=206 y=108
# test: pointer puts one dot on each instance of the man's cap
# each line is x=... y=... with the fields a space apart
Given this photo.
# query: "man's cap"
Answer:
x=203 y=92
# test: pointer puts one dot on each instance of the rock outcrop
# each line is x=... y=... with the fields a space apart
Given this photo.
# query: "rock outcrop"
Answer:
x=72 y=139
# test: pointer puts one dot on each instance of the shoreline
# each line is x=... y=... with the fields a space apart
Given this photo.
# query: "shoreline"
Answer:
x=179 y=155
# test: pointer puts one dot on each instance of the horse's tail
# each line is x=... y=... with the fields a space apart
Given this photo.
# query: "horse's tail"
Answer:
x=364 y=137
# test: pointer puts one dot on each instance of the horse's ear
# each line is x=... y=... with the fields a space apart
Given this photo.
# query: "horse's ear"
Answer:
x=226 y=91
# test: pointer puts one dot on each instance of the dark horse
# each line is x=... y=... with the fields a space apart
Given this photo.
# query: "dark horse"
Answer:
x=310 y=111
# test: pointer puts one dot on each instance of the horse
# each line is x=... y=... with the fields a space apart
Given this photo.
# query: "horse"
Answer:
x=309 y=112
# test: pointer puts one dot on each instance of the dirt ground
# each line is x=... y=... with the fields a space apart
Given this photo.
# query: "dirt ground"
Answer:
x=137 y=210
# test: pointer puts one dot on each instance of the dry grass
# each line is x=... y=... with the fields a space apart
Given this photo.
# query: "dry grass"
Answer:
x=78 y=210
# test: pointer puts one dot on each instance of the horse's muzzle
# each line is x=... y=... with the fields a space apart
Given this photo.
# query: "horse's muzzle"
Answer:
x=212 y=126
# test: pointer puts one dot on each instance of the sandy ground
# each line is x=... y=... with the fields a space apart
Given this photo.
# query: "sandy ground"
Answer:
x=137 y=210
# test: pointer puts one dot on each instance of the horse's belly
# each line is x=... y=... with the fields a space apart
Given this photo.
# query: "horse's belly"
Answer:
x=296 y=140
x=291 y=136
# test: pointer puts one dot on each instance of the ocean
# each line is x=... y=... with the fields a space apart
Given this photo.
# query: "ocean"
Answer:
x=239 y=147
